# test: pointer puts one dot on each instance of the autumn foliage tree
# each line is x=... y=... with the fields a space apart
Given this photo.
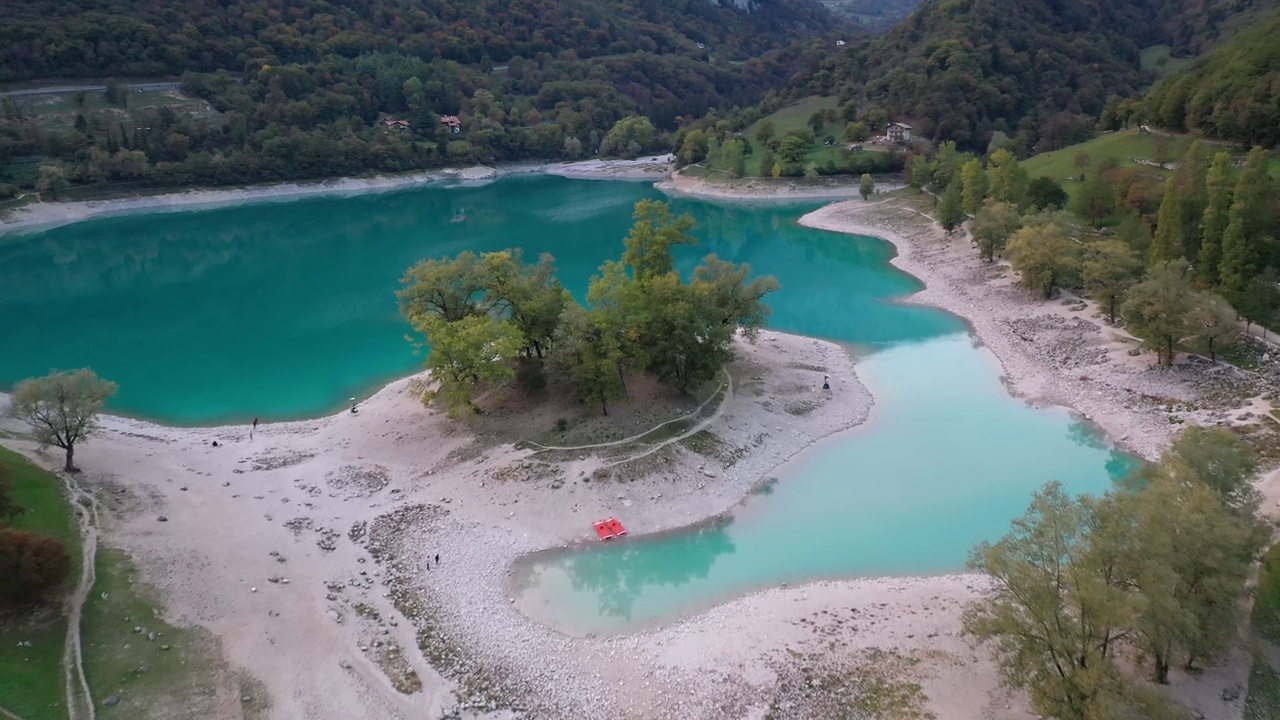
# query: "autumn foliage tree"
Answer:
x=32 y=567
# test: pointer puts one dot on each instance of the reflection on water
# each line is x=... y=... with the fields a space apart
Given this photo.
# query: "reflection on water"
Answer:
x=946 y=459
x=286 y=309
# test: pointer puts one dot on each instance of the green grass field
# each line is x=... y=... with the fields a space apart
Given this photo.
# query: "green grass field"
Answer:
x=150 y=681
x=1122 y=146
x=151 y=677
x=1157 y=59
x=793 y=117
x=31 y=678
x=1266 y=603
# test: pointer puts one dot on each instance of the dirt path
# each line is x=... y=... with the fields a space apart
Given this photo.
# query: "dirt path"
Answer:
x=9 y=715
x=80 y=702
x=700 y=425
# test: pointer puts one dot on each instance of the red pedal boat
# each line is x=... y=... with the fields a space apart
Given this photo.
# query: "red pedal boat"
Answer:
x=616 y=527
x=603 y=530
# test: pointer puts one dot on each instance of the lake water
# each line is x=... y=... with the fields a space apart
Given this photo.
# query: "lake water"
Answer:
x=284 y=310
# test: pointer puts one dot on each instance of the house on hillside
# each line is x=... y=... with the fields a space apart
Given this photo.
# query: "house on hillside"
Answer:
x=898 y=132
x=397 y=125
x=452 y=122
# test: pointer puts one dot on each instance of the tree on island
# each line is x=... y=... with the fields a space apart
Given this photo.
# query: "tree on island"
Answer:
x=62 y=408
x=484 y=315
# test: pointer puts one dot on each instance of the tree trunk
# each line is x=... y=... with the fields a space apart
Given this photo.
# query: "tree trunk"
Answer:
x=1162 y=669
x=71 y=453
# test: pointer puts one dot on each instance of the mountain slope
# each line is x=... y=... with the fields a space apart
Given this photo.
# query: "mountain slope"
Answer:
x=1231 y=93
x=963 y=69
x=44 y=38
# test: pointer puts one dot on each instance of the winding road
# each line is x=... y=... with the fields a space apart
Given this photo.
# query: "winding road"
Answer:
x=154 y=86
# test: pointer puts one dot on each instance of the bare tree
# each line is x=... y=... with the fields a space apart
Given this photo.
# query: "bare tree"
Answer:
x=62 y=407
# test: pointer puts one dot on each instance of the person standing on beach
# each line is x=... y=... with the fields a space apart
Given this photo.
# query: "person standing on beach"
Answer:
x=255 y=427
x=437 y=559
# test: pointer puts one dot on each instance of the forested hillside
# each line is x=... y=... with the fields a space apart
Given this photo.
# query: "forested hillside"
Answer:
x=1037 y=70
x=303 y=90
x=1232 y=93
x=93 y=38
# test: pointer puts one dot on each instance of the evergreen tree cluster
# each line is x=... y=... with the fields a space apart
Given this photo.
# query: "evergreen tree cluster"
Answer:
x=492 y=319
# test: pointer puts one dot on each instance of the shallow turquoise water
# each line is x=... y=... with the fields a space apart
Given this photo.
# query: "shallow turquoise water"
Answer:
x=286 y=309
x=945 y=460
x=282 y=310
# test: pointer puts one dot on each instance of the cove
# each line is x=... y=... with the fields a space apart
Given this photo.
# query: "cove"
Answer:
x=945 y=460
x=283 y=310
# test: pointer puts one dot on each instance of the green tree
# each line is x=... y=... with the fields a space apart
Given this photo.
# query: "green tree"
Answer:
x=1220 y=460
x=686 y=345
x=1096 y=198
x=1259 y=302
x=618 y=309
x=732 y=157
x=973 y=181
x=694 y=147
x=816 y=122
x=655 y=232
x=589 y=356
x=1216 y=215
x=529 y=295
x=734 y=298
x=62 y=408
x=1053 y=613
x=992 y=226
x=950 y=208
x=1008 y=180
x=1135 y=232
x=1044 y=256
x=1195 y=560
x=1212 y=323
x=856 y=131
x=1044 y=193
x=1169 y=240
x=467 y=355
x=629 y=137
x=866 y=186
x=766 y=163
x=1246 y=226
x=811 y=171
x=765 y=132
x=1156 y=309
x=1109 y=269
x=793 y=149
x=443 y=287
x=51 y=178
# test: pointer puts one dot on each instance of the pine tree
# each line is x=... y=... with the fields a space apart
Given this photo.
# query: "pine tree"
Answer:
x=1167 y=243
x=1191 y=178
x=1245 y=223
x=1214 y=222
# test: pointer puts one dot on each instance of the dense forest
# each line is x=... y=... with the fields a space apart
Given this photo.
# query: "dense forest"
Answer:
x=97 y=38
x=301 y=92
x=1038 y=71
x=1232 y=92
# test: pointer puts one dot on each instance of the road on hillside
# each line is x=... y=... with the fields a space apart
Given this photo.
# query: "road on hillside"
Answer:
x=158 y=86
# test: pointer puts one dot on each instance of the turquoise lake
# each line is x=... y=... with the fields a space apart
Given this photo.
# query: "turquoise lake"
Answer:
x=284 y=310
